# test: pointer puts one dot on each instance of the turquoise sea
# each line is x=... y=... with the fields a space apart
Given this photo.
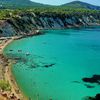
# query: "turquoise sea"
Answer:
x=52 y=66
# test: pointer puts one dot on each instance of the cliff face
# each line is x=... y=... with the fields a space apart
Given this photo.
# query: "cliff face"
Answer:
x=27 y=23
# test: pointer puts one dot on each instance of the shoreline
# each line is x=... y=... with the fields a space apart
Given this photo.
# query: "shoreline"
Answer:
x=15 y=89
x=7 y=75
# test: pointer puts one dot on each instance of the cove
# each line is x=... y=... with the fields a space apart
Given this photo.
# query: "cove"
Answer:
x=52 y=66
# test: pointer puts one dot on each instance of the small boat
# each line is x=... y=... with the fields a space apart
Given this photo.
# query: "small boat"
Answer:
x=27 y=54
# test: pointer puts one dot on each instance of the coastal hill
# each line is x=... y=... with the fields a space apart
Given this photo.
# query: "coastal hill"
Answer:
x=36 y=16
x=19 y=3
x=79 y=4
x=26 y=22
x=31 y=4
x=39 y=16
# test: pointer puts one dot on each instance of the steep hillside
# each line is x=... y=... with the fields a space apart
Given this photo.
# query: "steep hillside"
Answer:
x=25 y=23
x=79 y=4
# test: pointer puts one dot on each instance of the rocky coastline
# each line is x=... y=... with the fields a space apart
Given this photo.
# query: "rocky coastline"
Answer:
x=27 y=24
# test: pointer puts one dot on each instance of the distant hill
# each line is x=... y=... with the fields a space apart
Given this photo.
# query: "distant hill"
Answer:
x=29 y=3
x=19 y=3
x=79 y=4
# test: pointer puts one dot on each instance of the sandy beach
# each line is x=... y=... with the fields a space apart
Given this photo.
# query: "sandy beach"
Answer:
x=6 y=74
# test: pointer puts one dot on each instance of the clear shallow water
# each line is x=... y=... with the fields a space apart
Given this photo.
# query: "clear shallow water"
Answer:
x=73 y=54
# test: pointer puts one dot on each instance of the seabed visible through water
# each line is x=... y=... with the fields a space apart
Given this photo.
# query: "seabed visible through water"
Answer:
x=59 y=65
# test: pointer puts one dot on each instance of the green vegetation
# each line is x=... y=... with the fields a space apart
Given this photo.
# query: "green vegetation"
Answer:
x=13 y=4
x=64 y=10
x=8 y=13
x=18 y=3
x=13 y=8
x=79 y=4
x=4 y=85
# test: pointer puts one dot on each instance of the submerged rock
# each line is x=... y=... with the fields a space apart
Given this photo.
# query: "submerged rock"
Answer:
x=97 y=97
x=49 y=65
x=93 y=79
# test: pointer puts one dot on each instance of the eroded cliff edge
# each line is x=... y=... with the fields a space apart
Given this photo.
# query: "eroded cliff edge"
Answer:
x=26 y=23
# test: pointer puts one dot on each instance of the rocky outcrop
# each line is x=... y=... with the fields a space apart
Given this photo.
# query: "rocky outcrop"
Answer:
x=26 y=23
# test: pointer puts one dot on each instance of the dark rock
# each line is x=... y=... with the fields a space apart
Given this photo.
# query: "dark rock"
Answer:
x=10 y=50
x=49 y=65
x=90 y=80
x=93 y=79
x=97 y=97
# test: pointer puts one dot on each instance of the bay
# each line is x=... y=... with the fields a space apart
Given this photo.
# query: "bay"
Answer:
x=52 y=66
